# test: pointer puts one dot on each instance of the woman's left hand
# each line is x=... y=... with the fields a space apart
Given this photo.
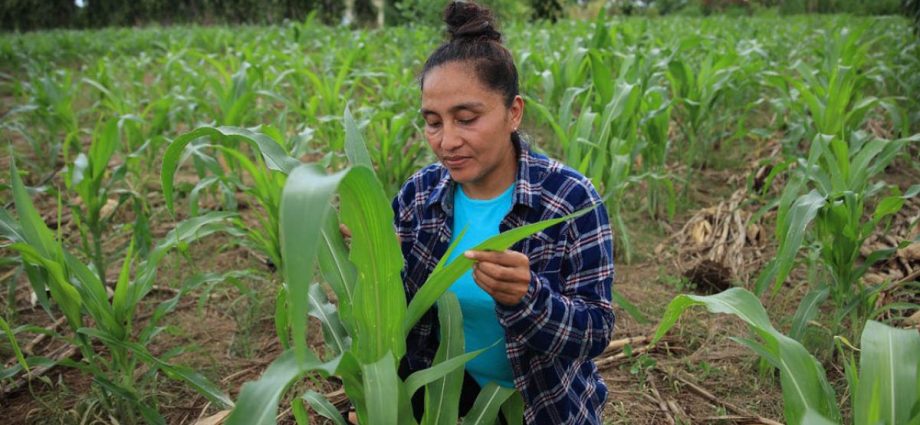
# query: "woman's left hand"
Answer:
x=503 y=275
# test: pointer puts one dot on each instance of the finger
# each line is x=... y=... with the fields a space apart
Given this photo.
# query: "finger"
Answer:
x=492 y=286
x=504 y=273
x=505 y=258
x=497 y=287
x=501 y=292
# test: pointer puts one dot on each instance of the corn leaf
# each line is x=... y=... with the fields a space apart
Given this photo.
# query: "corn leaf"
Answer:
x=62 y=291
x=33 y=228
x=382 y=390
x=323 y=407
x=201 y=384
x=14 y=344
x=355 y=146
x=379 y=299
x=186 y=232
x=803 y=379
x=258 y=400
x=807 y=310
x=275 y=156
x=442 y=396
x=337 y=270
x=334 y=331
x=887 y=389
x=120 y=307
x=629 y=307
x=803 y=211
x=513 y=409
x=487 y=405
x=349 y=370
x=305 y=203
x=812 y=417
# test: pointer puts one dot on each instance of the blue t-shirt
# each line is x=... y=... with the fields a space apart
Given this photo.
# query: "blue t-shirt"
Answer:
x=480 y=218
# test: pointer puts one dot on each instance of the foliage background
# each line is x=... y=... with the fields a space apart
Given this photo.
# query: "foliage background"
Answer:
x=27 y=15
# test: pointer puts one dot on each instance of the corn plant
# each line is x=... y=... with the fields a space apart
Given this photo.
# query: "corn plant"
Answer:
x=832 y=188
x=883 y=386
x=48 y=105
x=266 y=186
x=92 y=315
x=90 y=179
x=697 y=92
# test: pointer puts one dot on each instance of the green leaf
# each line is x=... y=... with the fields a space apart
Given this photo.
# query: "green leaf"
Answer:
x=888 y=206
x=186 y=232
x=62 y=291
x=305 y=203
x=379 y=299
x=808 y=309
x=355 y=146
x=102 y=148
x=201 y=384
x=812 y=417
x=513 y=409
x=120 y=306
x=602 y=77
x=487 y=405
x=382 y=390
x=258 y=400
x=349 y=370
x=337 y=270
x=13 y=343
x=93 y=293
x=442 y=397
x=803 y=211
x=333 y=330
x=803 y=379
x=323 y=407
x=887 y=375
x=275 y=156
x=629 y=308
x=33 y=228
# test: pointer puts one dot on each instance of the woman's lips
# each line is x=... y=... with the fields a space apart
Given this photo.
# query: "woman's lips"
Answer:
x=455 y=162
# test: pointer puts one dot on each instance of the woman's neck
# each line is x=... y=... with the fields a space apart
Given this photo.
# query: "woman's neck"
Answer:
x=496 y=181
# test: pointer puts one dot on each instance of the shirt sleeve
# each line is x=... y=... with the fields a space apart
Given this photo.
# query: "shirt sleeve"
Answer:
x=577 y=322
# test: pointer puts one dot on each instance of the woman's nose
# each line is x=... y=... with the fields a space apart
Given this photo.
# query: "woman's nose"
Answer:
x=450 y=138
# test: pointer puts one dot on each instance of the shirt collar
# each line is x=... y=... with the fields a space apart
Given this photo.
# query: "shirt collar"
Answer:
x=530 y=175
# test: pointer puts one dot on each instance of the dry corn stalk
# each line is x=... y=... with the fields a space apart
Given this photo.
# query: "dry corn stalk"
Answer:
x=718 y=240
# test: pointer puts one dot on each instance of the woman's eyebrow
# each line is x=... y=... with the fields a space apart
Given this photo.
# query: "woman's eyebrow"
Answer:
x=471 y=106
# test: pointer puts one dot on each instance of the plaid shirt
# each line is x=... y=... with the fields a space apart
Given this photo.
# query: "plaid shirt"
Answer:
x=564 y=320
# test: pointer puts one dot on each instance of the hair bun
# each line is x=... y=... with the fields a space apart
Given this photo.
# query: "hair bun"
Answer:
x=469 y=21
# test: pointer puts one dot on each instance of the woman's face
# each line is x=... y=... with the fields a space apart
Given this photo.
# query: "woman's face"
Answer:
x=469 y=128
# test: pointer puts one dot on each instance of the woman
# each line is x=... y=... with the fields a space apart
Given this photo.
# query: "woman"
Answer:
x=547 y=299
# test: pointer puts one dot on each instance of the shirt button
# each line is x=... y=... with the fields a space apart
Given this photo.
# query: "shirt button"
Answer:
x=443 y=238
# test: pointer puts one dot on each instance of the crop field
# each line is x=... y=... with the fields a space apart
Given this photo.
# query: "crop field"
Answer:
x=170 y=252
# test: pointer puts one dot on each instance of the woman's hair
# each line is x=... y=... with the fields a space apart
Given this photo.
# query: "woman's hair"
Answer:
x=475 y=40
